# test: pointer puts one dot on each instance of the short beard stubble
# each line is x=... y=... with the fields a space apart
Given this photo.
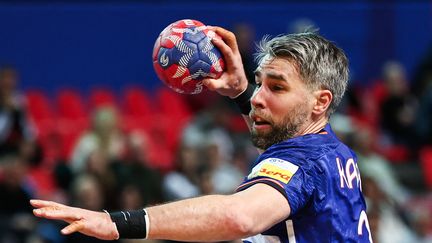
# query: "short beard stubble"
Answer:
x=280 y=132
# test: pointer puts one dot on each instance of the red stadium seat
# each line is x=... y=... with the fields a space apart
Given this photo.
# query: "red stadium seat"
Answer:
x=174 y=113
x=39 y=105
x=136 y=102
x=137 y=111
x=102 y=97
x=70 y=105
x=161 y=154
x=73 y=119
x=45 y=119
x=172 y=104
x=41 y=111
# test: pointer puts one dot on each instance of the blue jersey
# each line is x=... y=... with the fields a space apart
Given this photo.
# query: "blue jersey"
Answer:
x=320 y=178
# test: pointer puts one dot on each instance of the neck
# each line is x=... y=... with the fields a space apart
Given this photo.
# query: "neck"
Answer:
x=315 y=126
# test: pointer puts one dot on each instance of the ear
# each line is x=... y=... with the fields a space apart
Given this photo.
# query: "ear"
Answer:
x=323 y=98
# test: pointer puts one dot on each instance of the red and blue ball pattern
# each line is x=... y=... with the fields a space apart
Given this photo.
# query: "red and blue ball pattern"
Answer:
x=184 y=55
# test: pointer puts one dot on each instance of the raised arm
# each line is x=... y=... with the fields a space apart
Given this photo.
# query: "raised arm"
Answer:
x=207 y=218
x=233 y=82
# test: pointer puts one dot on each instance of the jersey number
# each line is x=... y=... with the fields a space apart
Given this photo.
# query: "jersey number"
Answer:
x=363 y=221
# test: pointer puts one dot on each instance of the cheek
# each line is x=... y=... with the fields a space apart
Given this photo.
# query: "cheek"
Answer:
x=280 y=109
x=284 y=109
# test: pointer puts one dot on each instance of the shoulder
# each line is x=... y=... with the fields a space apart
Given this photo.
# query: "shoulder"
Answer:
x=314 y=156
x=302 y=150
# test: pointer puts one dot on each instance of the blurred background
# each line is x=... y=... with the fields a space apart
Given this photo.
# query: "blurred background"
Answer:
x=84 y=120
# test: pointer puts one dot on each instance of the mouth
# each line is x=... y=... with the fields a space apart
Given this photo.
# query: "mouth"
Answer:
x=260 y=123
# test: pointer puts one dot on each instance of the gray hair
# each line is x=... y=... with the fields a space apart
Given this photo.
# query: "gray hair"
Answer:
x=320 y=63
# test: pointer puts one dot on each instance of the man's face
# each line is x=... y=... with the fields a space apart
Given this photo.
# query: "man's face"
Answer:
x=281 y=105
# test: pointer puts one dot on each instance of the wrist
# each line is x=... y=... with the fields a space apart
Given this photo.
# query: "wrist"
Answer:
x=131 y=224
x=115 y=234
x=242 y=100
x=240 y=90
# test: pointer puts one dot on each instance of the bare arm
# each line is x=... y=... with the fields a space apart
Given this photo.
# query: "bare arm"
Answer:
x=207 y=218
x=233 y=81
x=217 y=217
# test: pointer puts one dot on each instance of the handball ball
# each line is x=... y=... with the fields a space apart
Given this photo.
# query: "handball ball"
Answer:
x=184 y=55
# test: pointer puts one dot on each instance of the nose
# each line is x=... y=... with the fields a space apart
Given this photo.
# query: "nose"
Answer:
x=257 y=100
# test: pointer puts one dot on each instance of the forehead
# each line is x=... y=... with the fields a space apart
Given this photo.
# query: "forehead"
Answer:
x=277 y=65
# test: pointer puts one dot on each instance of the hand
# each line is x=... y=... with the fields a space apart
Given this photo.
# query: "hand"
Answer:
x=91 y=223
x=233 y=81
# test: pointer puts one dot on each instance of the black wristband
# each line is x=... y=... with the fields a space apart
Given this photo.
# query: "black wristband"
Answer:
x=131 y=224
x=243 y=100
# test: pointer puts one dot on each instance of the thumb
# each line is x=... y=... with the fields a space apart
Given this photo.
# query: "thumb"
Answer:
x=211 y=84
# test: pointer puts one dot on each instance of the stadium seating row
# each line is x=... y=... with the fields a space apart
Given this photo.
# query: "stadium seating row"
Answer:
x=60 y=120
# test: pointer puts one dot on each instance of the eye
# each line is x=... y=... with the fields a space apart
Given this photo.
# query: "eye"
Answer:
x=277 y=87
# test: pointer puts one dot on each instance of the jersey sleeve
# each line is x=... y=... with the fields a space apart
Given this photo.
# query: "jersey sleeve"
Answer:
x=295 y=181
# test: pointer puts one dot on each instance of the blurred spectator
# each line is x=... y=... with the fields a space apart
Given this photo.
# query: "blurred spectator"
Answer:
x=205 y=183
x=343 y=127
x=398 y=109
x=16 y=220
x=421 y=210
x=131 y=198
x=423 y=89
x=135 y=176
x=423 y=75
x=243 y=157
x=86 y=192
x=424 y=114
x=212 y=123
x=14 y=193
x=15 y=128
x=386 y=220
x=375 y=166
x=104 y=135
x=63 y=178
x=99 y=166
x=225 y=177
x=209 y=134
x=41 y=174
x=184 y=181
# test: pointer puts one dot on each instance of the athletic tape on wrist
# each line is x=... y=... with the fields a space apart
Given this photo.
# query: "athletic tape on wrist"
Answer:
x=243 y=100
x=131 y=224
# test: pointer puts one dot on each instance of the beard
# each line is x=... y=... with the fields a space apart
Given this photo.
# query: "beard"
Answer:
x=288 y=128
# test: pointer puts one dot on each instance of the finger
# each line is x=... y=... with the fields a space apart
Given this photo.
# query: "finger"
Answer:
x=55 y=212
x=226 y=51
x=42 y=203
x=227 y=36
x=75 y=226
